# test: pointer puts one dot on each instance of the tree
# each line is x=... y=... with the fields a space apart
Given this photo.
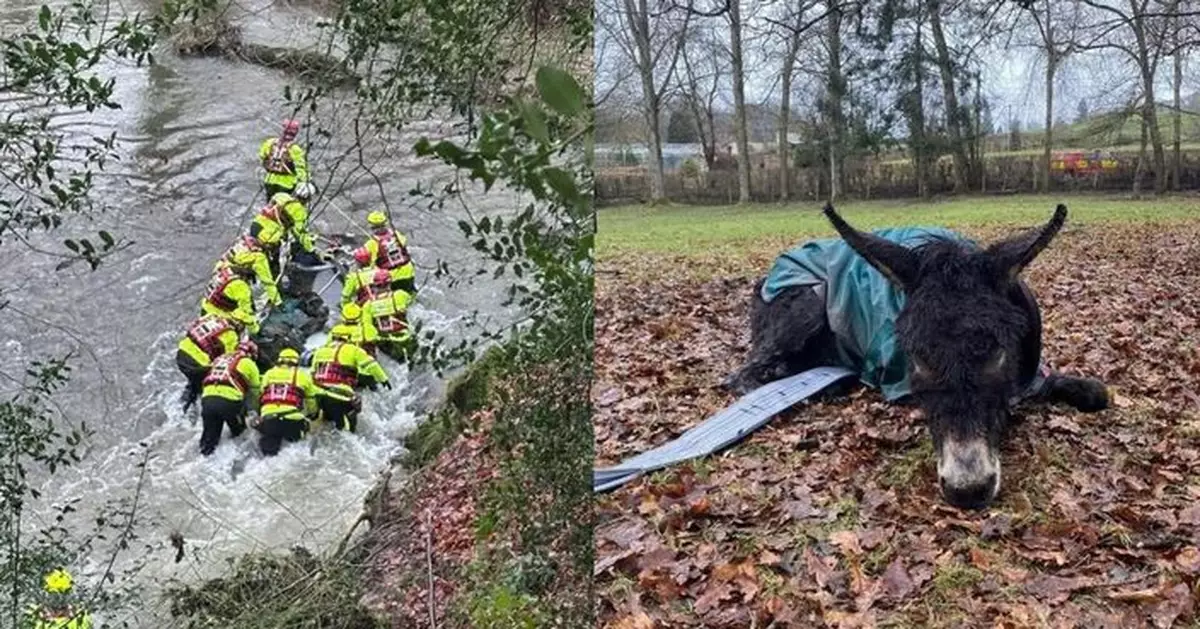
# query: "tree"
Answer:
x=651 y=36
x=682 y=127
x=705 y=66
x=1057 y=28
x=1081 y=110
x=1014 y=134
x=1141 y=31
x=790 y=28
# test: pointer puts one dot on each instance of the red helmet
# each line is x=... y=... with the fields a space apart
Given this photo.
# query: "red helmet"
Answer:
x=382 y=276
x=291 y=128
x=248 y=347
x=362 y=256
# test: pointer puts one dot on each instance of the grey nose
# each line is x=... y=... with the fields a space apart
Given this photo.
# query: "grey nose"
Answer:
x=972 y=496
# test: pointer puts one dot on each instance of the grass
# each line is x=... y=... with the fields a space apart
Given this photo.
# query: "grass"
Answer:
x=730 y=229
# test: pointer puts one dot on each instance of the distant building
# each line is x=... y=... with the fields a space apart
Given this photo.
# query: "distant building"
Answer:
x=674 y=155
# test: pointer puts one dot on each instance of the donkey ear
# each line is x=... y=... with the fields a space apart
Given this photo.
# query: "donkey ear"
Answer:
x=1013 y=255
x=897 y=263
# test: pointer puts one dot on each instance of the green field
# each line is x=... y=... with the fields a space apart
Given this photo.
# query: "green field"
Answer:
x=707 y=230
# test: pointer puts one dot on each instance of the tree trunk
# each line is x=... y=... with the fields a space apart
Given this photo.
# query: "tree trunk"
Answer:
x=785 y=114
x=1149 y=107
x=1048 y=136
x=835 y=94
x=1177 y=116
x=917 y=114
x=739 y=101
x=651 y=104
x=953 y=114
x=1141 y=166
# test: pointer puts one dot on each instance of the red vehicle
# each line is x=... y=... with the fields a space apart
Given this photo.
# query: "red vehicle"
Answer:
x=1081 y=163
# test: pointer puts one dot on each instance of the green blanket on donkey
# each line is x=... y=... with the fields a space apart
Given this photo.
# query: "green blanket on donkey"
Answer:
x=861 y=305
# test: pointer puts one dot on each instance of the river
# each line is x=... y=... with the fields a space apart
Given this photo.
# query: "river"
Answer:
x=189 y=130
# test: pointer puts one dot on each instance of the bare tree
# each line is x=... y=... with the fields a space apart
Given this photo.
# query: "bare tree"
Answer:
x=734 y=14
x=1141 y=32
x=651 y=35
x=835 y=87
x=954 y=122
x=705 y=66
x=1057 y=43
x=791 y=27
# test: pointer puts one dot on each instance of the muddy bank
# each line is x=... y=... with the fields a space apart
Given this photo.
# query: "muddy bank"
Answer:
x=830 y=516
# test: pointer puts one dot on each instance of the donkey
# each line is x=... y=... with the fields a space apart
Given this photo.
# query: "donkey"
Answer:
x=967 y=346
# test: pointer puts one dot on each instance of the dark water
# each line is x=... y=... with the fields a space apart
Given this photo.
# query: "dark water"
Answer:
x=190 y=129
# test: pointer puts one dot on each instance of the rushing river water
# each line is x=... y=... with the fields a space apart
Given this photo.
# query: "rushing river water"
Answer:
x=187 y=180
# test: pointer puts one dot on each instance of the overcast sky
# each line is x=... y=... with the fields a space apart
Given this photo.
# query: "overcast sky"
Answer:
x=1013 y=78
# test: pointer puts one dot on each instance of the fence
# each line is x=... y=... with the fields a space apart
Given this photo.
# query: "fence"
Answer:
x=874 y=180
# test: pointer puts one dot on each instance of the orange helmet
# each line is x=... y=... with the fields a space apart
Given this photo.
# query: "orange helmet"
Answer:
x=362 y=256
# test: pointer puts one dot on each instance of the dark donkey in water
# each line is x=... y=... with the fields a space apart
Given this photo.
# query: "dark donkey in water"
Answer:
x=968 y=335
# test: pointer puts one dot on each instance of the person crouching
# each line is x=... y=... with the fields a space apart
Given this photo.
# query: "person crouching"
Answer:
x=338 y=367
x=233 y=382
x=287 y=404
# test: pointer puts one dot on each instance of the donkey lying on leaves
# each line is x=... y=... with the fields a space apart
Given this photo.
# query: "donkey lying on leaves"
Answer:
x=952 y=325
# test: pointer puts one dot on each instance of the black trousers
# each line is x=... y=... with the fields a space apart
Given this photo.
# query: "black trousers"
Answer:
x=194 y=372
x=408 y=285
x=216 y=413
x=339 y=414
x=275 y=431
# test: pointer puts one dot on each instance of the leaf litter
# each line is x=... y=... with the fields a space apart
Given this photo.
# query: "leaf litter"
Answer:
x=829 y=515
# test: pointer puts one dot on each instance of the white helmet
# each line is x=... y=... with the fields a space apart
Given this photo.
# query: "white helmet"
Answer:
x=305 y=191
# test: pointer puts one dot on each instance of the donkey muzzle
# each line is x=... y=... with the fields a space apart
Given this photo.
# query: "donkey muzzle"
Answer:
x=968 y=473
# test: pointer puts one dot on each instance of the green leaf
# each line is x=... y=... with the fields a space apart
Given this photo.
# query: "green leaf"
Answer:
x=561 y=182
x=465 y=227
x=560 y=91
x=535 y=122
x=44 y=18
x=72 y=245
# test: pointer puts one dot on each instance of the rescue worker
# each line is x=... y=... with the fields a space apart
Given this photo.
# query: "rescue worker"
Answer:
x=56 y=611
x=207 y=338
x=232 y=384
x=339 y=367
x=388 y=313
x=284 y=160
x=387 y=249
x=283 y=215
x=287 y=403
x=364 y=284
x=356 y=328
x=228 y=293
x=259 y=248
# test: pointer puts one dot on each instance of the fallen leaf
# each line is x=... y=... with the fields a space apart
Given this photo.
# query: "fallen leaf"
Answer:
x=1055 y=589
x=1177 y=603
x=847 y=541
x=896 y=582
